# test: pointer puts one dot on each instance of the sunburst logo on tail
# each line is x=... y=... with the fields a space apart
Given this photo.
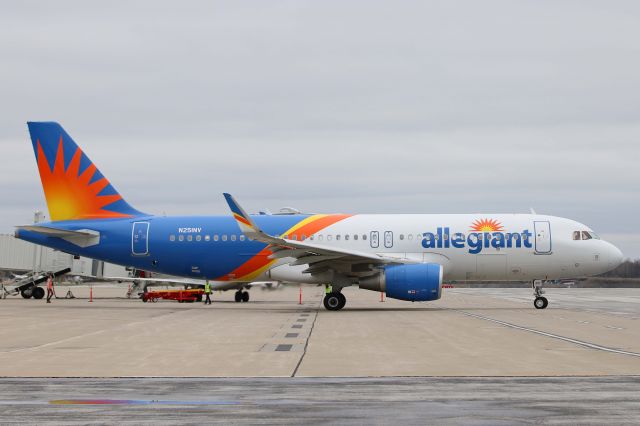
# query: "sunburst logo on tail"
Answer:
x=70 y=194
x=486 y=225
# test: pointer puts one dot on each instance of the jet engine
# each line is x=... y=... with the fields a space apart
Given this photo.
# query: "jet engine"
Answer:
x=416 y=283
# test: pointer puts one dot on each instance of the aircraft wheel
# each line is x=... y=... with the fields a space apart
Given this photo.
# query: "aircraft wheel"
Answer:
x=541 y=303
x=37 y=293
x=245 y=296
x=343 y=301
x=238 y=296
x=25 y=294
x=334 y=301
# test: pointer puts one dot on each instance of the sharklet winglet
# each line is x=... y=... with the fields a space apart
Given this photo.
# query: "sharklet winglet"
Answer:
x=246 y=223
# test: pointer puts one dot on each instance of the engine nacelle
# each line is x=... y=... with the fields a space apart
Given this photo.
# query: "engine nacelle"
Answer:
x=416 y=283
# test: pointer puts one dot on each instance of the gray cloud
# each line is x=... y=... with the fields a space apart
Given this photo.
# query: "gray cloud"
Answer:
x=334 y=106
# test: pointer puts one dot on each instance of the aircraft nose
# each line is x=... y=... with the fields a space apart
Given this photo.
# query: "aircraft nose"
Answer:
x=615 y=256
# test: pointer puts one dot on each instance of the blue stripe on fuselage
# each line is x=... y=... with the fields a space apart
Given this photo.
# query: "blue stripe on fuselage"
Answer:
x=203 y=259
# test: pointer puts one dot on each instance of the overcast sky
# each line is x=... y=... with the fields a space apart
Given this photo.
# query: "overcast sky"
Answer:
x=334 y=106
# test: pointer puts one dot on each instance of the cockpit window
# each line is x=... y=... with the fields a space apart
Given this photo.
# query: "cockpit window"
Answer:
x=576 y=235
x=586 y=235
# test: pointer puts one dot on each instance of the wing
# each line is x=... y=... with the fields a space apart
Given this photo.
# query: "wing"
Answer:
x=318 y=257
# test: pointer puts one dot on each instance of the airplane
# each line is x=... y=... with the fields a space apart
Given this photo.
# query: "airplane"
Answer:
x=19 y=276
x=406 y=256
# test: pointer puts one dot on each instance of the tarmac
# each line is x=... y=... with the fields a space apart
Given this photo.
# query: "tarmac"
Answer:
x=469 y=332
x=478 y=356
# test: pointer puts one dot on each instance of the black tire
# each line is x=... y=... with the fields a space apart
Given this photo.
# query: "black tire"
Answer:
x=245 y=296
x=541 y=303
x=238 y=296
x=25 y=294
x=343 y=301
x=37 y=293
x=333 y=301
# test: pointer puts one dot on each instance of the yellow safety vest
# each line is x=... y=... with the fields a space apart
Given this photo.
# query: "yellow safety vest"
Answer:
x=207 y=288
x=328 y=289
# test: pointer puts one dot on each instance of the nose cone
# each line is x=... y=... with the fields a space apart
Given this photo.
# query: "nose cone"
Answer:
x=615 y=256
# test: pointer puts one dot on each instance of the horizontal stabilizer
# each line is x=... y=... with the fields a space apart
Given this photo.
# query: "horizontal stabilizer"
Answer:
x=80 y=238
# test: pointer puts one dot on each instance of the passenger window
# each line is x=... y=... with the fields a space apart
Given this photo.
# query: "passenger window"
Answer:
x=329 y=237
x=585 y=235
x=180 y=237
x=198 y=237
x=401 y=237
x=172 y=237
x=364 y=237
x=304 y=237
x=320 y=237
x=224 y=237
x=346 y=237
x=233 y=237
x=189 y=237
x=355 y=237
x=311 y=237
x=410 y=236
x=576 y=235
x=216 y=237
x=242 y=238
x=338 y=237
x=207 y=237
x=294 y=237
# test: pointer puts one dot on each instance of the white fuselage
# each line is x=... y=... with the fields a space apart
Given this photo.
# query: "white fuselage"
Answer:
x=496 y=247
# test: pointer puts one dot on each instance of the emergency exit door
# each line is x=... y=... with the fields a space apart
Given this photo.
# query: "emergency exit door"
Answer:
x=374 y=239
x=543 y=237
x=140 y=239
x=388 y=239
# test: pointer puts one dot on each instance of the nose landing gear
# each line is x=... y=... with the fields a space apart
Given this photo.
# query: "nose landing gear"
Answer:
x=334 y=301
x=539 y=302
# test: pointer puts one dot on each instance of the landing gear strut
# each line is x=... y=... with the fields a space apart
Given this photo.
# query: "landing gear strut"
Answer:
x=540 y=302
x=241 y=296
x=334 y=301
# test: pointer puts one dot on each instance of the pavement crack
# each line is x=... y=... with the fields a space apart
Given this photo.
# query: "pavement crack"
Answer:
x=93 y=333
x=551 y=335
x=306 y=345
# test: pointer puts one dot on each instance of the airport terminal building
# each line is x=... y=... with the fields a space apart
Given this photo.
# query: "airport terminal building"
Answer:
x=17 y=256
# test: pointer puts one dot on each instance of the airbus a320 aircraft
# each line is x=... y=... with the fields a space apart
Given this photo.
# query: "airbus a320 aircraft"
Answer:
x=405 y=256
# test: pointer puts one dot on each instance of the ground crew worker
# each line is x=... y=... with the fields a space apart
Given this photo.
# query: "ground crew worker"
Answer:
x=328 y=289
x=207 y=293
x=49 y=288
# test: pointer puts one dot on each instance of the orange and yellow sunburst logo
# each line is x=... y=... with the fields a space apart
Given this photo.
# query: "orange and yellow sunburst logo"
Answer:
x=486 y=225
x=69 y=194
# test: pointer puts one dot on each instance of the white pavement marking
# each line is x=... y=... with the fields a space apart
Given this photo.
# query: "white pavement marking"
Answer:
x=553 y=336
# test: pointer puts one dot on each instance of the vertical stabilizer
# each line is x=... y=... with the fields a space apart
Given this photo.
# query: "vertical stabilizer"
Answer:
x=73 y=186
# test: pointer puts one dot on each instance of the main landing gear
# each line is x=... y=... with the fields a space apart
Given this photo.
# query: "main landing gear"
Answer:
x=242 y=296
x=540 y=302
x=334 y=301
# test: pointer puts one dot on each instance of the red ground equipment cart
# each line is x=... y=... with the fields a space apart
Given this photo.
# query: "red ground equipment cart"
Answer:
x=181 y=296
